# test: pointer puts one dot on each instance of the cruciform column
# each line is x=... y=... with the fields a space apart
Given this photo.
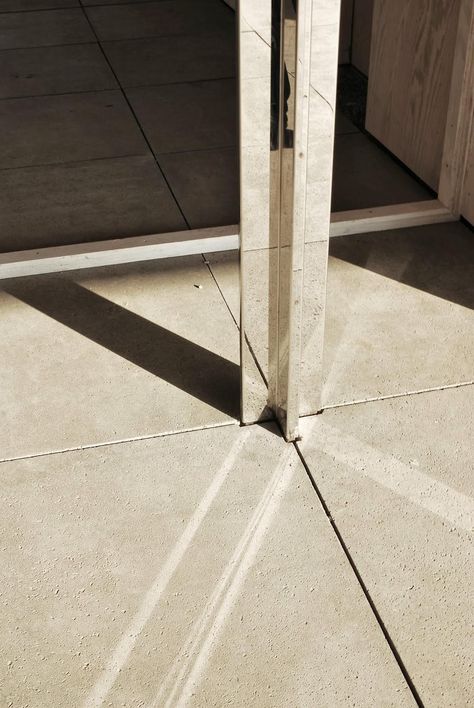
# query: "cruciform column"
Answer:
x=288 y=53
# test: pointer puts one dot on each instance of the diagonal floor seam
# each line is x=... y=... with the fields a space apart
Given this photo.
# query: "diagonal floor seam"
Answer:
x=249 y=346
x=360 y=580
x=124 y=94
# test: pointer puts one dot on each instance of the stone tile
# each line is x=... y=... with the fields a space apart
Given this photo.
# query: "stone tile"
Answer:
x=41 y=29
x=85 y=201
x=225 y=268
x=344 y=125
x=254 y=122
x=68 y=128
x=256 y=164
x=254 y=46
x=167 y=60
x=399 y=312
x=189 y=116
x=206 y=185
x=28 y=5
x=320 y=170
x=380 y=180
x=160 y=19
x=257 y=18
x=105 y=549
x=396 y=476
x=50 y=70
x=114 y=353
x=389 y=297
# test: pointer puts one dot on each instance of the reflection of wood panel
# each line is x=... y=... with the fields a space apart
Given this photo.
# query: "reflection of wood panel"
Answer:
x=361 y=34
x=456 y=189
x=467 y=205
x=355 y=34
x=409 y=80
x=345 y=36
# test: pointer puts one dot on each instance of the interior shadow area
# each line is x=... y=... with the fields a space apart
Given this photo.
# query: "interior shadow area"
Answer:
x=438 y=259
x=182 y=363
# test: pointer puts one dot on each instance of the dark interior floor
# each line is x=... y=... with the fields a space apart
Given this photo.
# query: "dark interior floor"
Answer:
x=119 y=119
x=365 y=174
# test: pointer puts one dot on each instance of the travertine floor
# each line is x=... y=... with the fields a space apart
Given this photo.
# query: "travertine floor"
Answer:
x=90 y=93
x=155 y=553
x=119 y=119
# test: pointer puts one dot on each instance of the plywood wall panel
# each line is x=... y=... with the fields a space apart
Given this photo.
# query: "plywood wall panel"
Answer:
x=362 y=34
x=345 y=35
x=409 y=80
x=467 y=205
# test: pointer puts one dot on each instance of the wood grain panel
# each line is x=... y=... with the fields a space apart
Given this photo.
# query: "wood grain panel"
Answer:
x=362 y=34
x=409 y=80
x=456 y=187
x=345 y=35
x=467 y=205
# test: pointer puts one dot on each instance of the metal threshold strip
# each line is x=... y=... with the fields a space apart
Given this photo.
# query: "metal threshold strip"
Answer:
x=113 y=252
x=210 y=240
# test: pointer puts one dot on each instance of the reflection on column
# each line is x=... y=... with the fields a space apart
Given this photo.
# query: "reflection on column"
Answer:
x=287 y=129
x=285 y=286
x=256 y=258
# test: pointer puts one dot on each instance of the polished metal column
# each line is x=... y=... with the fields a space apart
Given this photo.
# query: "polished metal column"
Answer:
x=287 y=94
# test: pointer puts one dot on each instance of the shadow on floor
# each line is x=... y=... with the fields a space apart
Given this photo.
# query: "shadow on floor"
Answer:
x=438 y=259
x=182 y=363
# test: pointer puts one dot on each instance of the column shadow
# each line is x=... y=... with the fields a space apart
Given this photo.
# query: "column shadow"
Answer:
x=188 y=366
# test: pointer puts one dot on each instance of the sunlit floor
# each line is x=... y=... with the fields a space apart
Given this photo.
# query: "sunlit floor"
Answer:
x=155 y=553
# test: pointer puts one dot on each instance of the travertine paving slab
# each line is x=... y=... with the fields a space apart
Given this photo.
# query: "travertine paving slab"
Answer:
x=48 y=70
x=167 y=60
x=114 y=353
x=159 y=19
x=399 y=312
x=189 y=116
x=85 y=201
x=344 y=126
x=58 y=129
x=197 y=568
x=380 y=179
x=397 y=478
x=225 y=268
x=40 y=29
x=206 y=185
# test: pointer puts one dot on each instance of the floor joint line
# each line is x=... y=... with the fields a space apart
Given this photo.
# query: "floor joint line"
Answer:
x=130 y=107
x=365 y=590
x=121 y=441
x=417 y=392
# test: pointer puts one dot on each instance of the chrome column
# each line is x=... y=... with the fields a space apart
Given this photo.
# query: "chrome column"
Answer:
x=287 y=94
